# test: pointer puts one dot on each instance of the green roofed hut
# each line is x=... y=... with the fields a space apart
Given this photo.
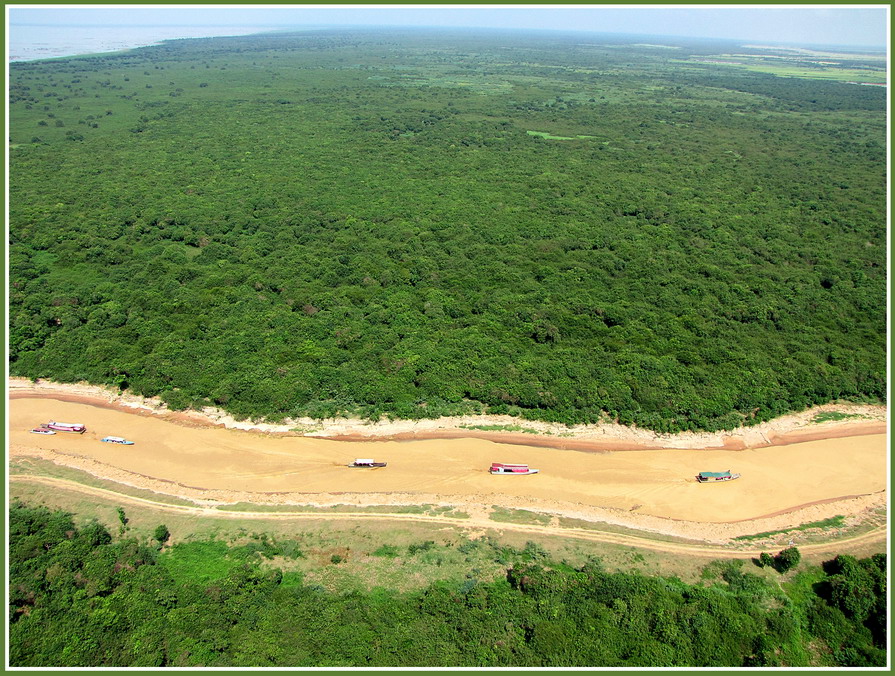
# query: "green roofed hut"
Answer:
x=704 y=477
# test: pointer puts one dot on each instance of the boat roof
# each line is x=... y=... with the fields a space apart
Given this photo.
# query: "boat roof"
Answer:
x=115 y=438
x=361 y=461
x=505 y=464
x=727 y=473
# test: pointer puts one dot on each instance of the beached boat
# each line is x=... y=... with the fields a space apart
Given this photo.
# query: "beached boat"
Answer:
x=366 y=462
x=42 y=430
x=504 y=468
x=77 y=428
x=117 y=440
x=705 y=477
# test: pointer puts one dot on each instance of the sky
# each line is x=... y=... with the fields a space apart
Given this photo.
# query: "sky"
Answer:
x=854 y=25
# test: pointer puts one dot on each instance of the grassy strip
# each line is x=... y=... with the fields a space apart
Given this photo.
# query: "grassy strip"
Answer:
x=503 y=428
x=45 y=468
x=832 y=522
x=603 y=527
x=545 y=135
x=518 y=516
x=429 y=510
x=796 y=70
x=831 y=416
x=448 y=511
x=330 y=509
x=833 y=74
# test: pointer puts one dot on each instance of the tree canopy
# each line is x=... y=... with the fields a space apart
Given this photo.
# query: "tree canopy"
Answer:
x=419 y=223
x=80 y=599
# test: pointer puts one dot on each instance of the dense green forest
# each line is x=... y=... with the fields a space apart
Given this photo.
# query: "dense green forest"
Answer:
x=78 y=597
x=418 y=223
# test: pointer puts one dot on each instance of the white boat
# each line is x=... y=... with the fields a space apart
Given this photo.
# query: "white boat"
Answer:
x=366 y=462
x=42 y=430
x=505 y=468
x=117 y=440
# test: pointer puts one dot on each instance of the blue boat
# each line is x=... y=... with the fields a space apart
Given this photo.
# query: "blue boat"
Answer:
x=704 y=477
x=117 y=440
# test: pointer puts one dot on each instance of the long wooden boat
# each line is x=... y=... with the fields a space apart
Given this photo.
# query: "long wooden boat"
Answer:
x=366 y=462
x=708 y=477
x=77 y=428
x=506 y=468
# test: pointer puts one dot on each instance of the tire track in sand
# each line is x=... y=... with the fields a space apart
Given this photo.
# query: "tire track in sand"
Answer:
x=878 y=534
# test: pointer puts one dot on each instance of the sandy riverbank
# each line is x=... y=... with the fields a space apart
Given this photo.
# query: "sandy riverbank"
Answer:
x=793 y=471
x=793 y=428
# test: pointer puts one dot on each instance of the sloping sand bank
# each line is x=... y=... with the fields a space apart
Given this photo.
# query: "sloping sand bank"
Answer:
x=633 y=478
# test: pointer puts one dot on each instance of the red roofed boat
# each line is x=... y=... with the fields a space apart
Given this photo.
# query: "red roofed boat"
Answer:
x=504 y=468
x=78 y=428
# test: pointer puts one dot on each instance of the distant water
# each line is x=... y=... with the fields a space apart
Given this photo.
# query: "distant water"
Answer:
x=29 y=43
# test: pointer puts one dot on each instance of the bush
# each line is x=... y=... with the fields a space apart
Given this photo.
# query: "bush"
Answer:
x=424 y=547
x=161 y=534
x=96 y=534
x=787 y=559
x=390 y=551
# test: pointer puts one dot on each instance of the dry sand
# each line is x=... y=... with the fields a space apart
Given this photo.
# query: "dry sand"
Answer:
x=793 y=471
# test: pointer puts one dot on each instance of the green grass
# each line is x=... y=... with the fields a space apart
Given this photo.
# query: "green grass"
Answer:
x=835 y=74
x=545 y=135
x=363 y=545
x=796 y=67
x=447 y=511
x=198 y=562
x=603 y=527
x=798 y=587
x=387 y=551
x=832 y=522
x=45 y=468
x=831 y=416
x=504 y=428
x=208 y=560
x=518 y=516
x=428 y=510
x=330 y=509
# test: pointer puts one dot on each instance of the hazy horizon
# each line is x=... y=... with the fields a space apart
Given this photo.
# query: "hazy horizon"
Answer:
x=863 y=26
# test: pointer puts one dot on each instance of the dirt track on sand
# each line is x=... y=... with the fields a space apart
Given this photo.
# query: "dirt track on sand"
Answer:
x=802 y=478
x=476 y=523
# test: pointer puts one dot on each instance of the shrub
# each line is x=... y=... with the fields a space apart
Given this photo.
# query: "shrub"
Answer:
x=161 y=534
x=390 y=551
x=424 y=547
x=787 y=559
